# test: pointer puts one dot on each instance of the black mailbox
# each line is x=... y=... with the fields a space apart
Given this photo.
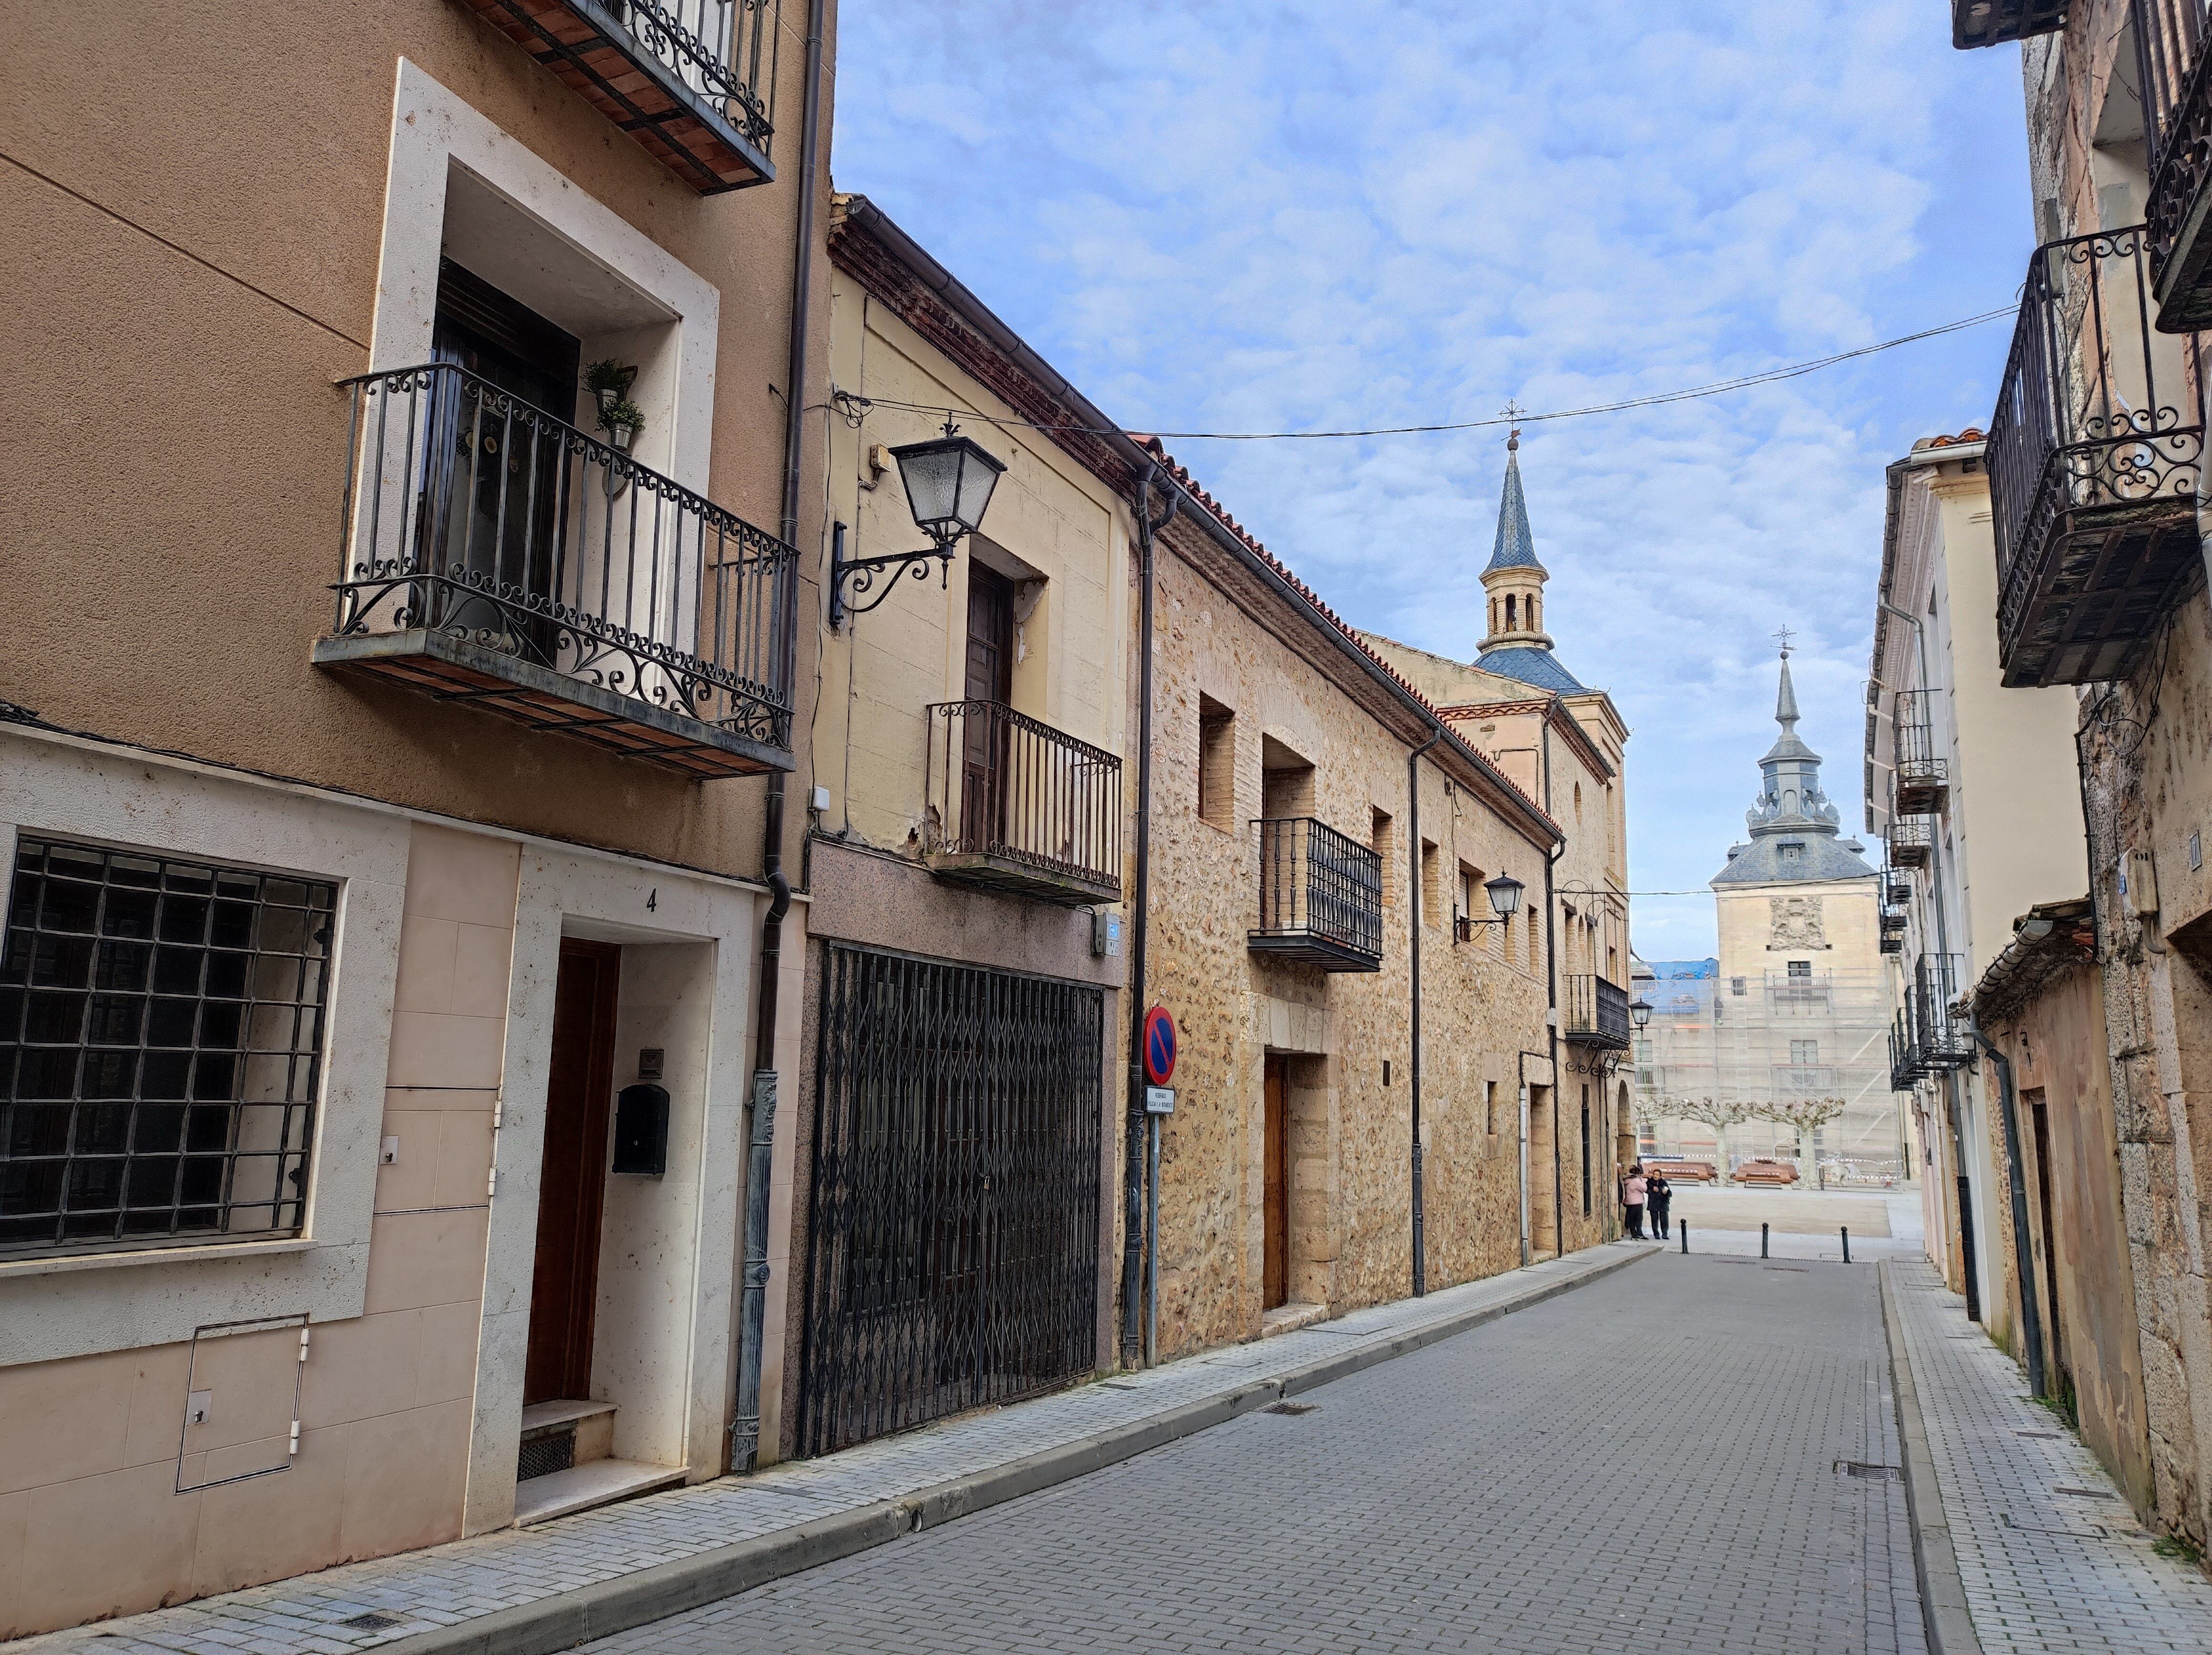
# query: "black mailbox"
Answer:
x=642 y=1130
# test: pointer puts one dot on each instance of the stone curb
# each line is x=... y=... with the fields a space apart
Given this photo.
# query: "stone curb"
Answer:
x=566 y=1619
x=1935 y=1559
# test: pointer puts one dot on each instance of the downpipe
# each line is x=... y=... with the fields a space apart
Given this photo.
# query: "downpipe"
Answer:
x=1413 y=911
x=760 y=1127
x=2031 y=1316
x=1140 y=1193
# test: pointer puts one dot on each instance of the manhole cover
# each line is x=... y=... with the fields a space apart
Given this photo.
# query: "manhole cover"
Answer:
x=1292 y=1407
x=375 y=1621
x=2086 y=1494
x=1861 y=1468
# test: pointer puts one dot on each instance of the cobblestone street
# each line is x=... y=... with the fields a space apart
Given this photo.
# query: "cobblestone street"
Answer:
x=1662 y=1461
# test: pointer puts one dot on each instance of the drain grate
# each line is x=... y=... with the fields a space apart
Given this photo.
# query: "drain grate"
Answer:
x=542 y=1456
x=1862 y=1468
x=2086 y=1494
x=2040 y=1436
x=375 y=1621
x=1292 y=1407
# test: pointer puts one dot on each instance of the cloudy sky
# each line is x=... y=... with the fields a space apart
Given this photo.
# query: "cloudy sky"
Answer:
x=1246 y=216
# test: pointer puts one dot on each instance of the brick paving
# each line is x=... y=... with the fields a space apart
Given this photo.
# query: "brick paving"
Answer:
x=2042 y=1569
x=1656 y=1463
x=450 y=1586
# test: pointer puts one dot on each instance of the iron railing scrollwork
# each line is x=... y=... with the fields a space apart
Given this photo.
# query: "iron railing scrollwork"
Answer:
x=720 y=49
x=1003 y=785
x=2096 y=410
x=1595 y=1012
x=2173 y=78
x=471 y=513
x=1922 y=772
x=1940 y=1036
x=1315 y=881
x=953 y=1234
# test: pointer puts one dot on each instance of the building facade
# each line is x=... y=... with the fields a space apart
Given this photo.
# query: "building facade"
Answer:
x=2095 y=460
x=1782 y=1052
x=388 y=771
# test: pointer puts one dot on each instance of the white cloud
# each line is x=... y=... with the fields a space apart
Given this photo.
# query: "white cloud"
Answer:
x=1285 y=215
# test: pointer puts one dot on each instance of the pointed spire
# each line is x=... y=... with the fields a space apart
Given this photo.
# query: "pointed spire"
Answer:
x=1515 y=547
x=1785 y=702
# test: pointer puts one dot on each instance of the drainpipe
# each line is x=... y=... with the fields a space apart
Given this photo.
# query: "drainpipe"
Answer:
x=1552 y=995
x=1139 y=1197
x=2031 y=1316
x=760 y=1136
x=1413 y=912
x=1966 y=1250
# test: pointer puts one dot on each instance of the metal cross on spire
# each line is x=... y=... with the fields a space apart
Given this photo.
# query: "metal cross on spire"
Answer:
x=1784 y=636
x=1513 y=411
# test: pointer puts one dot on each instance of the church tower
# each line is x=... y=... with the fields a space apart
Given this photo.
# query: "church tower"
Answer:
x=1513 y=577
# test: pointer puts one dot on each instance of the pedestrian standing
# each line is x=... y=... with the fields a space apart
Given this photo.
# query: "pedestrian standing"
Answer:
x=1632 y=1198
x=1658 y=1196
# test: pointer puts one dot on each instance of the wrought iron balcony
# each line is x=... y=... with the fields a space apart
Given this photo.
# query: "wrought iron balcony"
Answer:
x=1785 y=991
x=1924 y=775
x=1911 y=842
x=1813 y=1080
x=2174 y=72
x=1994 y=22
x=493 y=554
x=1321 y=896
x=692 y=80
x=1897 y=890
x=1595 y=1012
x=2094 y=452
x=1906 y=1064
x=1939 y=1033
x=1017 y=806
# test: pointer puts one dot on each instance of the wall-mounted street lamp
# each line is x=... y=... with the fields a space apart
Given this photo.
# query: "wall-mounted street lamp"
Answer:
x=949 y=479
x=1505 y=902
x=1640 y=1010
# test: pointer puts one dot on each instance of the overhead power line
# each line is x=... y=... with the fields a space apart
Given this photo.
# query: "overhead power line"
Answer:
x=1657 y=399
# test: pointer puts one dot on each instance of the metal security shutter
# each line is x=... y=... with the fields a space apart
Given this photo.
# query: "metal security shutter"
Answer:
x=955 y=1202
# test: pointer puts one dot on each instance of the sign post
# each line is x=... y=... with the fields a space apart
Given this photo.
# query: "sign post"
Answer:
x=1159 y=1069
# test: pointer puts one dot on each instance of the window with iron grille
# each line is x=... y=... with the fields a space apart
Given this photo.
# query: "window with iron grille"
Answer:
x=160 y=1040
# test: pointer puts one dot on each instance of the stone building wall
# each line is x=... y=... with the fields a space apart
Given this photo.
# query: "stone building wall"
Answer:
x=1350 y=1220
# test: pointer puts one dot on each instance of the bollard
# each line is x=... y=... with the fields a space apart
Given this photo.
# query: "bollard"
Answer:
x=1762 y=1240
x=1847 y=1244
x=1686 y=1241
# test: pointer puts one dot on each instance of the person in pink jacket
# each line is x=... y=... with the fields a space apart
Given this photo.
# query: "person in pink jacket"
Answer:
x=1632 y=1196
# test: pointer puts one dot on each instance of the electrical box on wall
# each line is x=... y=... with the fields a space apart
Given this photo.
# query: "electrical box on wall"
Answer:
x=641 y=1130
x=1105 y=934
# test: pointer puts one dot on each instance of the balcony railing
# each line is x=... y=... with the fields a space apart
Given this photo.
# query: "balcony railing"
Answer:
x=1321 y=896
x=692 y=80
x=1595 y=1012
x=1911 y=840
x=1020 y=807
x=1813 y=1080
x=2175 y=74
x=2094 y=452
x=1784 y=989
x=1994 y=22
x=1924 y=775
x=494 y=555
x=1939 y=1035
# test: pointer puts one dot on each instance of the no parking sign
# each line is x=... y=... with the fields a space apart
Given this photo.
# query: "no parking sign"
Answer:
x=1159 y=1045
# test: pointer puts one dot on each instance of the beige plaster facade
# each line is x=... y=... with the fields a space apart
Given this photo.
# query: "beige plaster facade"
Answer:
x=162 y=702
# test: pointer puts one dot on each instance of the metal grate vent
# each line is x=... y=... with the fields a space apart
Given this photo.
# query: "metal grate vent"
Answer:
x=373 y=1621
x=1292 y=1407
x=1859 y=1468
x=542 y=1456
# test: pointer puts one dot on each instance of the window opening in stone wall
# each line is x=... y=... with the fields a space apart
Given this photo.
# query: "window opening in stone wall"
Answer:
x=1432 y=876
x=1586 y=1152
x=1735 y=986
x=1489 y=1107
x=1383 y=839
x=161 y=1041
x=1804 y=1053
x=1217 y=764
x=1799 y=968
x=1511 y=611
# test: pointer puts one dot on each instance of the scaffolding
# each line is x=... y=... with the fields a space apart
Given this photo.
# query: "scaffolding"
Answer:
x=1728 y=1062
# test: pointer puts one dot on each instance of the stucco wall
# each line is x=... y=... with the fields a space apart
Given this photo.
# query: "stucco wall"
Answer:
x=199 y=453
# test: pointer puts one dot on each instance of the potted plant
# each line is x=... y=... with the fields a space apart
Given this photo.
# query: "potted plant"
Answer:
x=622 y=421
x=610 y=382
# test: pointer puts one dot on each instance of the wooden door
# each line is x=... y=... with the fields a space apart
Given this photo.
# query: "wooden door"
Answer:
x=572 y=1188
x=1275 y=1288
x=985 y=733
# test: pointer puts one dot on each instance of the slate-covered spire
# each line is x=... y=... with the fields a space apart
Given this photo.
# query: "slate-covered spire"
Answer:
x=1515 y=547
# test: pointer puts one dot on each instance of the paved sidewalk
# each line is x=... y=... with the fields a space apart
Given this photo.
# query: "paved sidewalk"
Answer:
x=481 y=1593
x=1903 y=1241
x=1686 y=1459
x=2049 y=1551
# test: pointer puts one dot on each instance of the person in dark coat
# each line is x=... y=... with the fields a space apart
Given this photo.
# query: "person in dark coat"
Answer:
x=1658 y=1196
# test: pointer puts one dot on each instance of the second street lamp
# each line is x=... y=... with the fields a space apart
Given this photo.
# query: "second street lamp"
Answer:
x=949 y=479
